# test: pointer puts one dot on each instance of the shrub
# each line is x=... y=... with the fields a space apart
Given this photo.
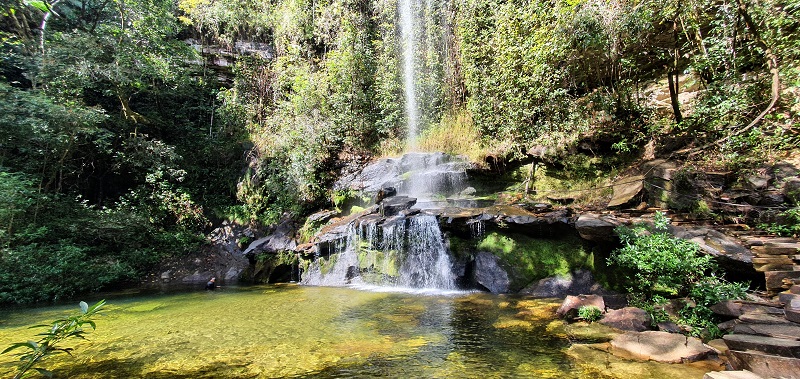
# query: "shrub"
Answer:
x=653 y=262
x=590 y=313
x=655 y=265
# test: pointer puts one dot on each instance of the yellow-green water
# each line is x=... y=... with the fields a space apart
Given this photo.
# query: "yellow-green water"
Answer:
x=318 y=332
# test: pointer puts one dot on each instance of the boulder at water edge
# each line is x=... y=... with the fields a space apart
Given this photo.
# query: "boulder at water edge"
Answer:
x=628 y=318
x=569 y=308
x=659 y=346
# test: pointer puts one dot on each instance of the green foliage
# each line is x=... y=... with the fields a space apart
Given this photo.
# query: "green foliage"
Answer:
x=528 y=259
x=789 y=224
x=590 y=313
x=653 y=262
x=52 y=339
x=656 y=265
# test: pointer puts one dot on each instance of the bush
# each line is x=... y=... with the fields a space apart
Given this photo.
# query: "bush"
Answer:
x=654 y=262
x=656 y=266
x=590 y=313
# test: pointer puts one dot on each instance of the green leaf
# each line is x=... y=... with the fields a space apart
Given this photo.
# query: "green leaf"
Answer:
x=84 y=307
x=29 y=344
x=40 y=5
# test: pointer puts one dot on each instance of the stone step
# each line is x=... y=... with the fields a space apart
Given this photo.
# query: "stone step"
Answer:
x=756 y=240
x=796 y=257
x=782 y=247
x=787 y=297
x=774 y=279
x=774 y=267
x=767 y=366
x=782 y=259
x=736 y=308
x=764 y=251
x=766 y=345
x=788 y=331
x=740 y=374
x=795 y=289
x=792 y=315
x=763 y=318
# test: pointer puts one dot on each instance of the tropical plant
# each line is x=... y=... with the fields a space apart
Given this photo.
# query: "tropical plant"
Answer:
x=51 y=340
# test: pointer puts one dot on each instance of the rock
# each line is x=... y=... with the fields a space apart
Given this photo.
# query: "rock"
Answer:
x=791 y=190
x=569 y=308
x=768 y=366
x=771 y=199
x=469 y=191
x=757 y=183
x=736 y=308
x=659 y=346
x=788 y=331
x=669 y=327
x=741 y=374
x=762 y=318
x=727 y=326
x=576 y=283
x=320 y=217
x=393 y=205
x=718 y=345
x=715 y=243
x=615 y=301
x=490 y=274
x=595 y=227
x=774 y=279
x=626 y=191
x=763 y=344
x=166 y=275
x=629 y=319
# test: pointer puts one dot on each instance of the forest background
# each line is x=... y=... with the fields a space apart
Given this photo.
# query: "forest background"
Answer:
x=121 y=144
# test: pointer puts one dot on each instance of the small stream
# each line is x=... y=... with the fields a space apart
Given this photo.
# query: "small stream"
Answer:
x=291 y=331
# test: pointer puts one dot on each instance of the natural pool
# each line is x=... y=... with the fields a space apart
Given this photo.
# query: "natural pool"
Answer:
x=323 y=332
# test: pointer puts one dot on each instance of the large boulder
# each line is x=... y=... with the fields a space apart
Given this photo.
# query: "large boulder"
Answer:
x=659 y=346
x=766 y=365
x=489 y=273
x=628 y=318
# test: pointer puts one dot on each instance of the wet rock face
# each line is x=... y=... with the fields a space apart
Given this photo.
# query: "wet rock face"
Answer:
x=489 y=273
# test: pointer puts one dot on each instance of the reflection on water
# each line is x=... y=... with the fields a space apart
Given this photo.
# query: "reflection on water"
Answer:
x=320 y=332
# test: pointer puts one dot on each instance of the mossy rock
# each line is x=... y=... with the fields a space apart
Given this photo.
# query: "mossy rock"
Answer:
x=527 y=259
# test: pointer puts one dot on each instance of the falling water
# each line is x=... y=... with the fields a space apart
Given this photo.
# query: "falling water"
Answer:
x=408 y=32
x=408 y=253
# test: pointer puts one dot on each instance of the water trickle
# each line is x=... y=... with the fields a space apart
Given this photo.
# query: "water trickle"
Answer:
x=408 y=33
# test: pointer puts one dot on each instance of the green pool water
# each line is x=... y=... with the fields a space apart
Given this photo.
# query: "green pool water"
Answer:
x=317 y=332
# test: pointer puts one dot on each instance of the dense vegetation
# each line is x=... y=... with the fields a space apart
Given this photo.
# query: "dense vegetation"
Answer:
x=659 y=269
x=120 y=143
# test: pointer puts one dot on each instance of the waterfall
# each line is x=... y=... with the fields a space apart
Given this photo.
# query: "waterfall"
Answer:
x=408 y=33
x=406 y=253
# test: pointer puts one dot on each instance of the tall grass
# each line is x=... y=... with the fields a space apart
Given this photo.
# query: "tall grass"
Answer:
x=456 y=134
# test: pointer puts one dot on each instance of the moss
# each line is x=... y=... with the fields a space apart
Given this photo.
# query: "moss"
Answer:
x=527 y=259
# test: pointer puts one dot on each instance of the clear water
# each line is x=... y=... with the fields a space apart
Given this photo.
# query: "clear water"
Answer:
x=291 y=331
